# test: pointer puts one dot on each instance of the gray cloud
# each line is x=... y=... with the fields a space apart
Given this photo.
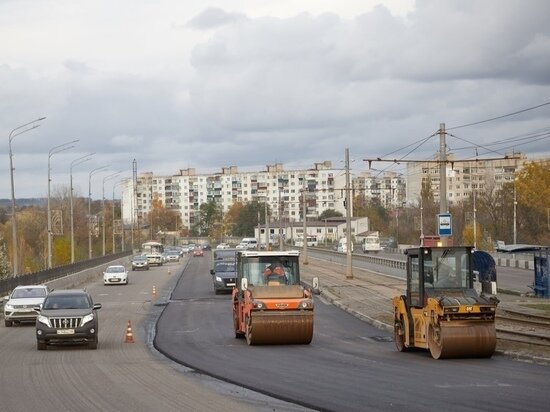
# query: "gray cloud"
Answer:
x=212 y=18
x=298 y=90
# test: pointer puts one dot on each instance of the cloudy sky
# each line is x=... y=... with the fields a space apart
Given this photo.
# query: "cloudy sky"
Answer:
x=214 y=83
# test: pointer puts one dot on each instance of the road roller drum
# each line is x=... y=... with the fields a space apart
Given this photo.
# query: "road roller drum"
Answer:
x=462 y=339
x=279 y=328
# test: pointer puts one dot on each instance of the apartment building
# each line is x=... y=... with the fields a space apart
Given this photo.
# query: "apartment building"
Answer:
x=463 y=177
x=283 y=190
x=388 y=188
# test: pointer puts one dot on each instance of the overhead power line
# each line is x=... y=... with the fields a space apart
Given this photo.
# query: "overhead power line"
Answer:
x=499 y=117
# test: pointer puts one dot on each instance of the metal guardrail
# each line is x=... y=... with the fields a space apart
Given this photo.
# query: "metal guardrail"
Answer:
x=43 y=276
x=392 y=267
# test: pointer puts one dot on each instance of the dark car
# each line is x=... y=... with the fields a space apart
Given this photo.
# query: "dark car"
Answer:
x=223 y=276
x=140 y=262
x=67 y=316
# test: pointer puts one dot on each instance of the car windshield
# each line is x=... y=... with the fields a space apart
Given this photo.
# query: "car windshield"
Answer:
x=140 y=258
x=67 y=302
x=29 y=293
x=258 y=270
x=225 y=267
x=115 y=269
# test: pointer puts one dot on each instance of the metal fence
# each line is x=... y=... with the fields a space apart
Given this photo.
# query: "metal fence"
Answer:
x=42 y=276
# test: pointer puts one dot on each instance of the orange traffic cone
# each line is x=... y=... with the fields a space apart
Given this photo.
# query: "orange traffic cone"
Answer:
x=129 y=334
x=154 y=290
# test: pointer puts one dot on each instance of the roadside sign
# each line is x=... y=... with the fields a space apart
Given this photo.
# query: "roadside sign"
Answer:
x=444 y=224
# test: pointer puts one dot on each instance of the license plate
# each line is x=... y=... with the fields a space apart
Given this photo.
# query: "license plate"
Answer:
x=25 y=310
x=230 y=284
x=114 y=280
x=65 y=331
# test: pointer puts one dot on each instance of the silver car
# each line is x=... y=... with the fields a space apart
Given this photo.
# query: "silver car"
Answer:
x=19 y=307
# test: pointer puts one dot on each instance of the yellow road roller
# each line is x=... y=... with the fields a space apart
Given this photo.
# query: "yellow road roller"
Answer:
x=441 y=310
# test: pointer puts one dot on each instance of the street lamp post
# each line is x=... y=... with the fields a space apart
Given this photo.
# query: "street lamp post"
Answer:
x=14 y=220
x=114 y=244
x=111 y=176
x=74 y=163
x=92 y=172
x=53 y=150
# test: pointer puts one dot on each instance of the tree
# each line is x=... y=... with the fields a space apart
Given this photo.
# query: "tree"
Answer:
x=247 y=218
x=5 y=269
x=161 y=218
x=209 y=219
x=328 y=213
x=532 y=187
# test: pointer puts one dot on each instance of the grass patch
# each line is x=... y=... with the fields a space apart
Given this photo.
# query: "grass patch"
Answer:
x=545 y=307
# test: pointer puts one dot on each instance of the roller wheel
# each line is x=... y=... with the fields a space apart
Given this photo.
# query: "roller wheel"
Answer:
x=248 y=333
x=399 y=336
x=435 y=342
x=238 y=333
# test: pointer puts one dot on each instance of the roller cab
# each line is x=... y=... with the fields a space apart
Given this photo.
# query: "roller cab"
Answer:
x=441 y=311
x=270 y=306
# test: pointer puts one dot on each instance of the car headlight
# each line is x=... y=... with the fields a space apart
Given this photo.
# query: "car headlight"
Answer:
x=45 y=320
x=86 y=319
x=8 y=307
x=218 y=279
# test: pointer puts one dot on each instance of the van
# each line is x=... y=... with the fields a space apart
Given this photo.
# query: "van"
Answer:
x=343 y=246
x=248 y=243
x=371 y=243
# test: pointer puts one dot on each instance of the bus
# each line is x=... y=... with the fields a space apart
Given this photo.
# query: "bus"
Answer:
x=371 y=243
x=153 y=250
x=311 y=241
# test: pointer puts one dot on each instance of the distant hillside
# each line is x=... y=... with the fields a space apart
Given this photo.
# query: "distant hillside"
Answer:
x=38 y=201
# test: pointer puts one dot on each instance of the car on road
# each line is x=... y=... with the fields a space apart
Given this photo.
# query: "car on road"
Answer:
x=67 y=316
x=140 y=262
x=172 y=256
x=198 y=252
x=223 y=246
x=22 y=300
x=115 y=275
x=223 y=276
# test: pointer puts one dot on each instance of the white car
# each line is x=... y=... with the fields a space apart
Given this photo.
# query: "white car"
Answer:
x=115 y=275
x=223 y=246
x=19 y=307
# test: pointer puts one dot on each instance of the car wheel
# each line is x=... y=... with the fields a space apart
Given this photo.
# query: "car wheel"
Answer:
x=41 y=345
x=147 y=267
x=8 y=323
x=92 y=344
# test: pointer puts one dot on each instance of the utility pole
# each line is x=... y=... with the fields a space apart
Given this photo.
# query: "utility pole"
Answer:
x=443 y=208
x=349 y=271
x=304 y=210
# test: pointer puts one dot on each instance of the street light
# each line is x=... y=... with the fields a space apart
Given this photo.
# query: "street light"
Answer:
x=74 y=163
x=14 y=221
x=53 y=150
x=114 y=244
x=111 y=176
x=92 y=172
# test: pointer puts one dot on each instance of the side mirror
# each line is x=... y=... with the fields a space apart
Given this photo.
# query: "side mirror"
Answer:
x=97 y=306
x=37 y=308
x=212 y=271
x=244 y=283
x=315 y=286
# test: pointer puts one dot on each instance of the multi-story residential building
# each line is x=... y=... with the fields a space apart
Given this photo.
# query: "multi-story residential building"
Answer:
x=463 y=177
x=283 y=190
x=388 y=188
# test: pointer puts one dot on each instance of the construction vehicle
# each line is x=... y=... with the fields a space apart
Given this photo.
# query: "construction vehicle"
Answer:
x=441 y=310
x=270 y=306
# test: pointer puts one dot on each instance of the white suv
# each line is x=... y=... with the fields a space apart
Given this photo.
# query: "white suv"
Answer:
x=19 y=307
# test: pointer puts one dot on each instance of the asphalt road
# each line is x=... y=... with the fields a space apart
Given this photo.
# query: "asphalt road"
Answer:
x=117 y=376
x=349 y=365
